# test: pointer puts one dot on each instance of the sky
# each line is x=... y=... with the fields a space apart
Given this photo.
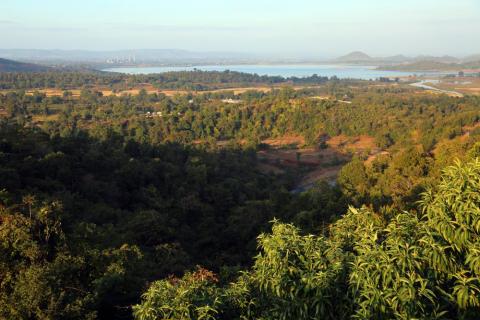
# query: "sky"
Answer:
x=300 y=28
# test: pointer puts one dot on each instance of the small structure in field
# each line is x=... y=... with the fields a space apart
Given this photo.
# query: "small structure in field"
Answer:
x=231 y=101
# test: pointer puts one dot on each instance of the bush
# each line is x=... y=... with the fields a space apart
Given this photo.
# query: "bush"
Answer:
x=418 y=265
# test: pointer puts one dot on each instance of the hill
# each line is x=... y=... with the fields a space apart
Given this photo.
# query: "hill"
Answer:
x=442 y=59
x=472 y=58
x=405 y=62
x=397 y=58
x=15 y=66
x=171 y=56
x=423 y=66
x=356 y=56
x=429 y=65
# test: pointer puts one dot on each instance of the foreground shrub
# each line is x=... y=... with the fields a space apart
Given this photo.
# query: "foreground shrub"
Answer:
x=418 y=265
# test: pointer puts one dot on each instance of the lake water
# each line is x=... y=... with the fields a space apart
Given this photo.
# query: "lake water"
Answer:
x=341 y=71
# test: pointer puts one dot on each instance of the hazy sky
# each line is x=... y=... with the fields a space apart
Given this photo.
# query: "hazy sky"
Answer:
x=301 y=27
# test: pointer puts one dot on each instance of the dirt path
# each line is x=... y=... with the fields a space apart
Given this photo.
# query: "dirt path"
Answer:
x=422 y=84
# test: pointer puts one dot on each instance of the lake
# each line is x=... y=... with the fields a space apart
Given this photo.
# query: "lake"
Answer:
x=293 y=70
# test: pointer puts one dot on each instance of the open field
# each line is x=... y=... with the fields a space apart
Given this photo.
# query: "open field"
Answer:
x=466 y=85
x=107 y=92
x=313 y=163
x=285 y=141
x=44 y=118
x=343 y=143
x=328 y=174
x=150 y=89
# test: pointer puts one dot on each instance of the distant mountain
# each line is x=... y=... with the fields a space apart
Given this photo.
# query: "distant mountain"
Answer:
x=442 y=59
x=119 y=56
x=423 y=66
x=15 y=66
x=472 y=58
x=397 y=58
x=361 y=57
x=356 y=56
x=428 y=65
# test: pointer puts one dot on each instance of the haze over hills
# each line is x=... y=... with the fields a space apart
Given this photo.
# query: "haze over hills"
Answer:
x=359 y=57
x=472 y=58
x=15 y=66
x=417 y=63
x=166 y=56
x=356 y=56
x=37 y=60
x=174 y=56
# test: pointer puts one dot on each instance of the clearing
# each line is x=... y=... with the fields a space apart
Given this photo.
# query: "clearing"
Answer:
x=312 y=164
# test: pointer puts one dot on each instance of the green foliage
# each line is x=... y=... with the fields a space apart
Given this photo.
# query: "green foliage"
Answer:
x=391 y=278
x=353 y=180
x=453 y=213
x=195 y=296
x=94 y=221
x=38 y=272
x=474 y=152
x=298 y=277
x=417 y=265
x=384 y=140
x=102 y=195
x=194 y=80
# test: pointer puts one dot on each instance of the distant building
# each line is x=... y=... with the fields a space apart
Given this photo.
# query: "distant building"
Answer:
x=231 y=101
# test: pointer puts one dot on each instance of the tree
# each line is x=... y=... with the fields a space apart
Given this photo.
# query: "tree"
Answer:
x=417 y=265
x=384 y=141
x=354 y=181
x=193 y=297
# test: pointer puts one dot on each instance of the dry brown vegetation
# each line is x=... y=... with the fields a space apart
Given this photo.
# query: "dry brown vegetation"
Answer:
x=106 y=91
x=285 y=141
x=44 y=118
x=466 y=85
x=344 y=143
x=313 y=163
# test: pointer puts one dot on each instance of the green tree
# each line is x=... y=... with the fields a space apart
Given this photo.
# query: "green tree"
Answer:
x=353 y=180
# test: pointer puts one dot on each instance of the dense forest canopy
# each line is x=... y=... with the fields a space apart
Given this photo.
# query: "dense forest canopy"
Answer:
x=190 y=80
x=421 y=264
x=155 y=206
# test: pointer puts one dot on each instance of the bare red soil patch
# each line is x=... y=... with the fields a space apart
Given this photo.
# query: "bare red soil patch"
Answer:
x=285 y=141
x=344 y=144
x=313 y=164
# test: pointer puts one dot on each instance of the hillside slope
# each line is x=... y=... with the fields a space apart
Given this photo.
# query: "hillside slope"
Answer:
x=15 y=66
x=356 y=56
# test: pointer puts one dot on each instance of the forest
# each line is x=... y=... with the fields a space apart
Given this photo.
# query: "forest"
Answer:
x=190 y=80
x=154 y=206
